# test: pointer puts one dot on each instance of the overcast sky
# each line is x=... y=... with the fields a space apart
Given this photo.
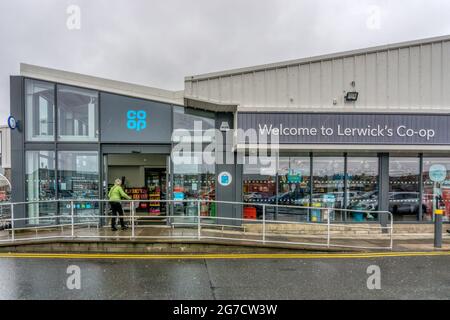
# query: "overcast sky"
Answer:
x=157 y=43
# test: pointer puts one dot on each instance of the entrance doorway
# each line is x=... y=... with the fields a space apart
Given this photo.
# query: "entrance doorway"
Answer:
x=156 y=184
x=145 y=178
x=150 y=177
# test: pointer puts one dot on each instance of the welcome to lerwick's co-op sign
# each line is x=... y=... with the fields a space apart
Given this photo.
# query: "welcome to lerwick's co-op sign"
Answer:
x=349 y=128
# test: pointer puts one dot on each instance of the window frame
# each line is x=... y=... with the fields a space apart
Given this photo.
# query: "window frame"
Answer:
x=72 y=138
x=51 y=138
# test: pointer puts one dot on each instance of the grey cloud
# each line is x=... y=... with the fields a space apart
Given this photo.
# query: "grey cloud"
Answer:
x=157 y=43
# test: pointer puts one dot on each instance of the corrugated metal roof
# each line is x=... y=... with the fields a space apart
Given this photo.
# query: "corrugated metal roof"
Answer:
x=406 y=77
x=318 y=58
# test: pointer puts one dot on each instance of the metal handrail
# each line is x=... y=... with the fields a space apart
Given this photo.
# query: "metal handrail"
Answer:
x=198 y=222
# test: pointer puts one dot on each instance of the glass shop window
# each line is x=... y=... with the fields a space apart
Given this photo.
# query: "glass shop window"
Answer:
x=436 y=187
x=194 y=122
x=293 y=188
x=404 y=200
x=40 y=185
x=193 y=179
x=39 y=110
x=362 y=182
x=259 y=187
x=328 y=187
x=78 y=178
x=77 y=114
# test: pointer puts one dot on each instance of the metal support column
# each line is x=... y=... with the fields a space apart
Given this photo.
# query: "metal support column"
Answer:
x=383 y=193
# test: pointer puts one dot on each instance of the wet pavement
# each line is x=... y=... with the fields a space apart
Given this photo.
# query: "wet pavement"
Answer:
x=424 y=277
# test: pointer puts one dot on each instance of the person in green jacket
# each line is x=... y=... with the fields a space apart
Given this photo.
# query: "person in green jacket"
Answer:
x=115 y=195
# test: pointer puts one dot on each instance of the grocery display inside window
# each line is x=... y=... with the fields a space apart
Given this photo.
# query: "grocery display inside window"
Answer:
x=136 y=194
x=156 y=190
x=193 y=187
x=193 y=180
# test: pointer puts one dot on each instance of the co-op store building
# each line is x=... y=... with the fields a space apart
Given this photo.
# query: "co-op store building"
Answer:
x=365 y=129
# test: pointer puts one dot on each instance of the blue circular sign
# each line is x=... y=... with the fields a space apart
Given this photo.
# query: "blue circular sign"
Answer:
x=225 y=179
x=438 y=173
x=12 y=123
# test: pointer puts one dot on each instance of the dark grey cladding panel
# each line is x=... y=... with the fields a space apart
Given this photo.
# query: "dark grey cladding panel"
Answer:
x=350 y=128
x=131 y=120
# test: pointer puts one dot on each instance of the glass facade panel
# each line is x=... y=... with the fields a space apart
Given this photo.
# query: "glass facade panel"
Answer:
x=78 y=178
x=259 y=187
x=192 y=180
x=39 y=110
x=40 y=185
x=293 y=187
x=77 y=114
x=433 y=170
x=186 y=118
x=328 y=187
x=193 y=176
x=362 y=182
x=404 y=199
x=195 y=122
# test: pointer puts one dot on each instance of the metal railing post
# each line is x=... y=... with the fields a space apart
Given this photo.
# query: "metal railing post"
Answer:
x=328 y=228
x=13 y=235
x=198 y=203
x=438 y=228
x=133 y=235
x=264 y=224
x=392 y=231
x=72 y=216
x=199 y=231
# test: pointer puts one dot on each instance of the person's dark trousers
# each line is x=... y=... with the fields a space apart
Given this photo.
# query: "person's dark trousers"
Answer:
x=116 y=208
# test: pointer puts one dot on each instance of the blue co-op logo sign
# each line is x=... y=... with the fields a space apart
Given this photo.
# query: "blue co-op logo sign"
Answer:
x=136 y=120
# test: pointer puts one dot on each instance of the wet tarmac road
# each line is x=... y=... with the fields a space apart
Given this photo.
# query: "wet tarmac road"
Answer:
x=401 y=278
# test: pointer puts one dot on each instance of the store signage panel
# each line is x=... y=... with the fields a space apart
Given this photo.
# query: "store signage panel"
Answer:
x=136 y=120
x=130 y=120
x=348 y=128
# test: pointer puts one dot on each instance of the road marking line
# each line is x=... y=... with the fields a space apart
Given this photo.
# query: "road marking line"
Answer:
x=222 y=256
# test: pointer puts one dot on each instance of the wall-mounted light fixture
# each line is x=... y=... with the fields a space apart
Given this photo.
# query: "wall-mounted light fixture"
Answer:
x=351 y=96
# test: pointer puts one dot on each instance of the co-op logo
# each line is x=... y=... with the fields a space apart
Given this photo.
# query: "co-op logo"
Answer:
x=137 y=120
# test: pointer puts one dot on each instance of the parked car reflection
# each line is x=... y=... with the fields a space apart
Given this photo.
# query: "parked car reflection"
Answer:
x=400 y=203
